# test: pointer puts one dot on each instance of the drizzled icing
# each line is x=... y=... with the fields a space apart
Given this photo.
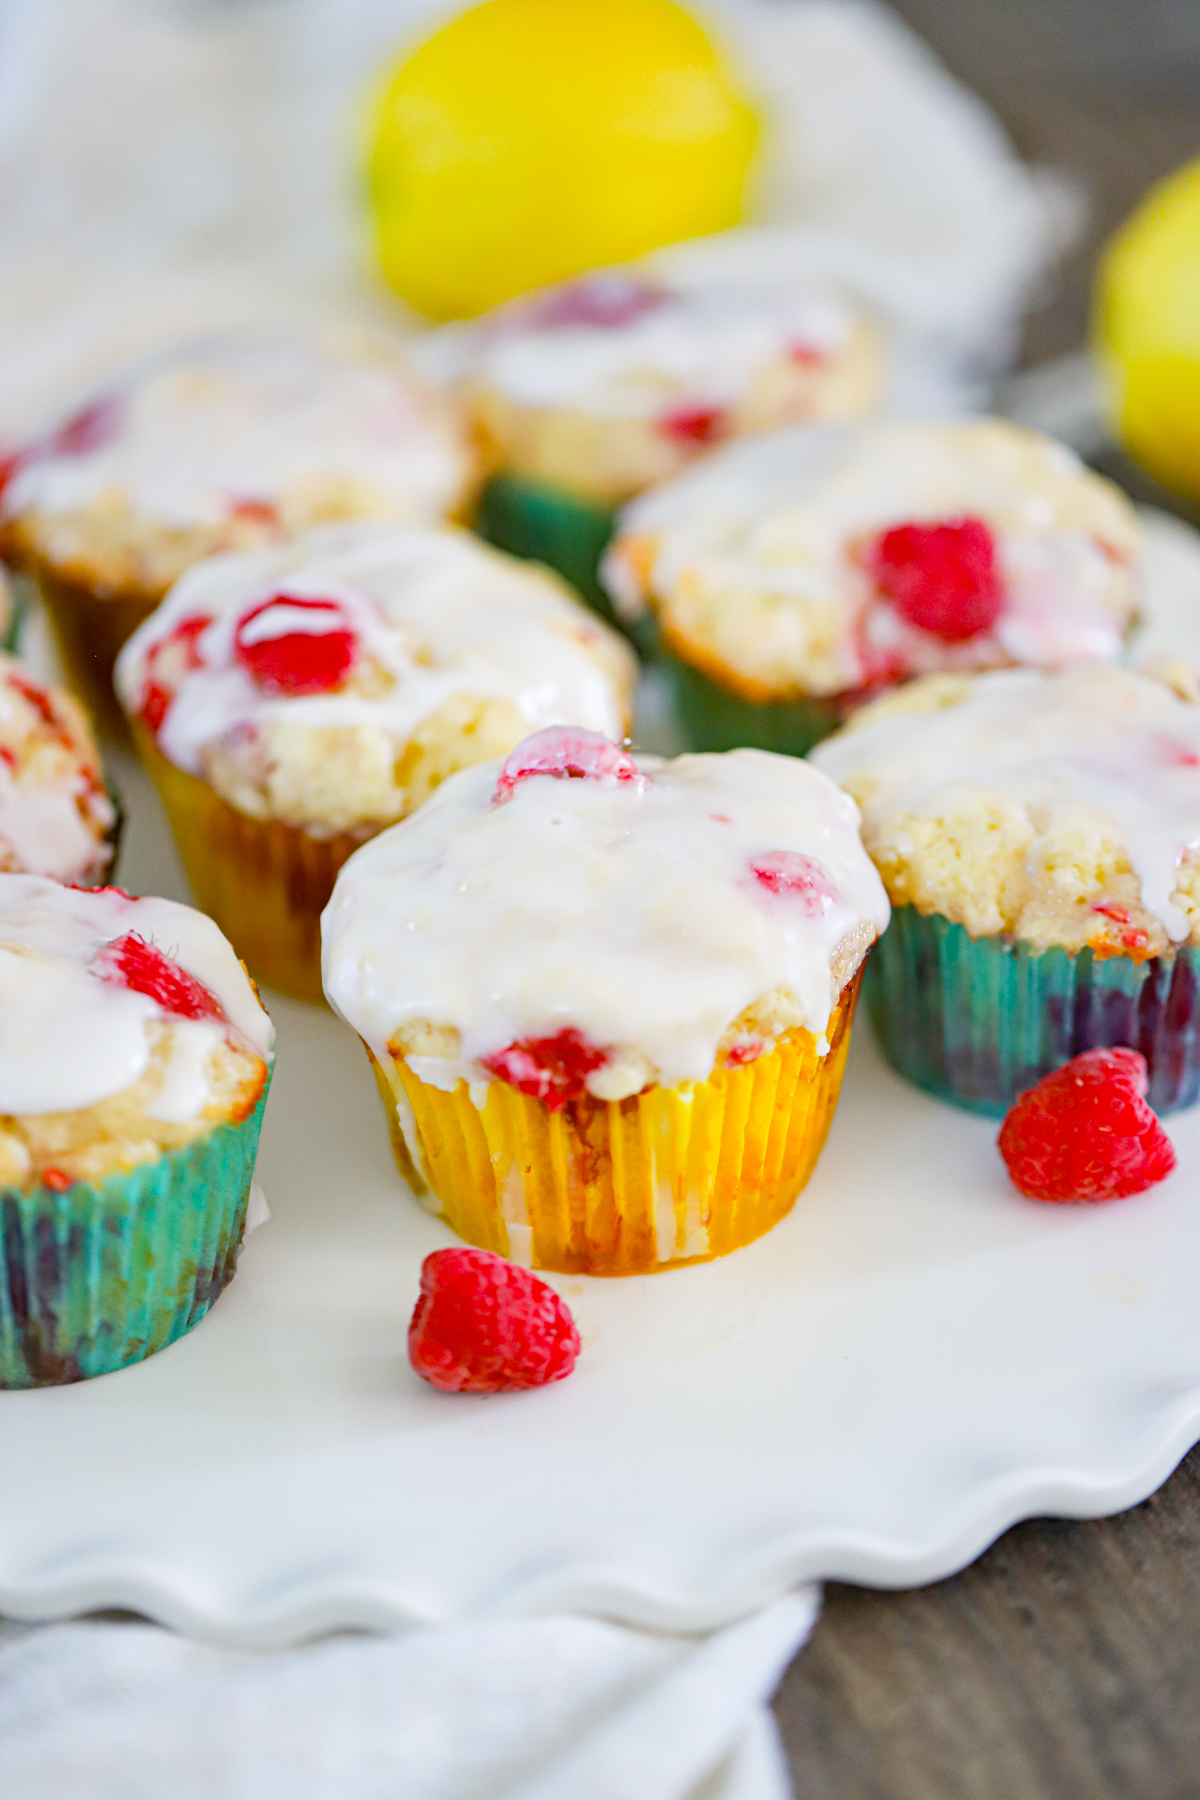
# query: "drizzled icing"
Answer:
x=779 y=529
x=1100 y=744
x=53 y=812
x=197 y=437
x=71 y=1035
x=621 y=345
x=628 y=911
x=437 y=612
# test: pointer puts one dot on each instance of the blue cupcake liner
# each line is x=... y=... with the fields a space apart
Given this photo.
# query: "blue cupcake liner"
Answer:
x=977 y=1021
x=97 y=1276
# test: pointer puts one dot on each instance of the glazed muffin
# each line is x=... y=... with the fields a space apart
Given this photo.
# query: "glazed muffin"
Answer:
x=1039 y=838
x=608 y=1001
x=225 y=446
x=791 y=578
x=134 y=1064
x=588 y=393
x=292 y=703
x=56 y=817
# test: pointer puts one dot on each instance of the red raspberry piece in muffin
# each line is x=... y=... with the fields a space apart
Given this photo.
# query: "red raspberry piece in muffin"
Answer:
x=554 y=1069
x=799 y=878
x=699 y=425
x=88 y=430
x=1085 y=1132
x=294 y=645
x=606 y=303
x=941 y=577
x=167 y=662
x=569 y=753
x=485 y=1326
x=135 y=964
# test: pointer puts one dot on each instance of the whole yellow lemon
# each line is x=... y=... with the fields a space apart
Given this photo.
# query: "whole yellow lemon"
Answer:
x=528 y=140
x=1147 y=330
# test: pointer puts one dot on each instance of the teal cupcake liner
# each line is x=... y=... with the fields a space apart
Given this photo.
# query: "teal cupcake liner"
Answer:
x=711 y=717
x=548 y=525
x=12 y=626
x=977 y=1021
x=101 y=1275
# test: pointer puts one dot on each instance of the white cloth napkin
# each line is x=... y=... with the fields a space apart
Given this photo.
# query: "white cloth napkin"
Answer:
x=561 y=1708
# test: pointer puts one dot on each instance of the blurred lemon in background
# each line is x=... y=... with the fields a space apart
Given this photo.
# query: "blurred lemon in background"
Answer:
x=1148 y=330
x=529 y=140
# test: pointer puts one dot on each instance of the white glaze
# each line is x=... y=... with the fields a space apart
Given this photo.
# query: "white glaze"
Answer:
x=441 y=613
x=625 y=911
x=782 y=516
x=230 y=422
x=708 y=340
x=44 y=831
x=69 y=1038
x=1096 y=741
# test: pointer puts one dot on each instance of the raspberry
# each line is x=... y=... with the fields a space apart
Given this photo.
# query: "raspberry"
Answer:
x=554 y=1069
x=567 y=752
x=10 y=467
x=255 y=512
x=180 y=650
x=806 y=355
x=88 y=430
x=485 y=1326
x=289 y=654
x=604 y=304
x=941 y=577
x=800 y=878
x=135 y=964
x=694 y=424
x=1085 y=1132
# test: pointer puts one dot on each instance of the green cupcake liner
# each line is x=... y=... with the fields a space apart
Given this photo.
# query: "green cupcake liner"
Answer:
x=98 y=1276
x=713 y=718
x=547 y=524
x=977 y=1021
x=12 y=627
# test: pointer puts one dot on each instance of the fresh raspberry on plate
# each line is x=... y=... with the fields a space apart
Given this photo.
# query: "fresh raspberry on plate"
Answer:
x=796 y=877
x=294 y=645
x=1085 y=1132
x=485 y=1326
x=568 y=752
x=133 y=963
x=941 y=577
x=554 y=1069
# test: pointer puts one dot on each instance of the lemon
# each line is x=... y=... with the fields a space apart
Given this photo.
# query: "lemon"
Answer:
x=529 y=140
x=1147 y=330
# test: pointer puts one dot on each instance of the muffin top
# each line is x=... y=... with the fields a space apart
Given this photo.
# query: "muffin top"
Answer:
x=334 y=681
x=228 y=445
x=573 y=919
x=621 y=344
x=126 y=1027
x=55 y=815
x=821 y=560
x=1057 y=808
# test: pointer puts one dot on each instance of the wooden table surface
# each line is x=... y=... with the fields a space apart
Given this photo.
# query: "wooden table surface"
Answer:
x=1065 y=1663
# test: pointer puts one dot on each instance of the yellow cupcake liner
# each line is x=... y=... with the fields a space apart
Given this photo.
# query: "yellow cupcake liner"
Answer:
x=623 y=1187
x=90 y=629
x=265 y=883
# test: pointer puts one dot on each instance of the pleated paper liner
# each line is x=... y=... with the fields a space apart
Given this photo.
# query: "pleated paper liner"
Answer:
x=714 y=717
x=549 y=525
x=101 y=1275
x=977 y=1021
x=90 y=630
x=623 y=1187
x=265 y=883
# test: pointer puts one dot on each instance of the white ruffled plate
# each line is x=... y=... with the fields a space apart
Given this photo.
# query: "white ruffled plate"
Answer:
x=912 y=1361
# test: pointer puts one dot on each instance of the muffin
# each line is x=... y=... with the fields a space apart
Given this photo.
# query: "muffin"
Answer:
x=587 y=393
x=56 y=817
x=608 y=1001
x=293 y=702
x=1039 y=838
x=134 y=1064
x=791 y=578
x=226 y=446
